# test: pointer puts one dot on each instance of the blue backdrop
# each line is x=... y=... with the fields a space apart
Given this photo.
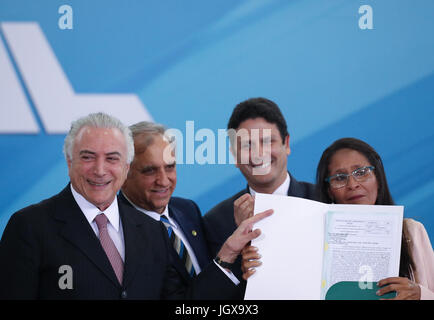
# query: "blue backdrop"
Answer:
x=195 y=60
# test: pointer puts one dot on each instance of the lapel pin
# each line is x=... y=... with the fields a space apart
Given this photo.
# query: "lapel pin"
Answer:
x=194 y=233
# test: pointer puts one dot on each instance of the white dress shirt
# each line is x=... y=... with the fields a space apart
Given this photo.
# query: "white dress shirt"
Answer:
x=156 y=216
x=282 y=190
x=114 y=225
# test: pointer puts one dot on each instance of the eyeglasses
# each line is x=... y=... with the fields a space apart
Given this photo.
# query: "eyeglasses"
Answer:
x=341 y=179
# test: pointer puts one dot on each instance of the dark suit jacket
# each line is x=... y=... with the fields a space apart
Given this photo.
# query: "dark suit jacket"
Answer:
x=189 y=218
x=41 y=238
x=219 y=222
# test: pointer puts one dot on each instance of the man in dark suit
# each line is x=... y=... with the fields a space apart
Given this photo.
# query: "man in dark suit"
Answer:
x=260 y=144
x=85 y=244
x=149 y=187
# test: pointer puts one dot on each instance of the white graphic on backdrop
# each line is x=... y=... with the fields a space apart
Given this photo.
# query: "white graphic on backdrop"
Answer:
x=15 y=113
x=52 y=94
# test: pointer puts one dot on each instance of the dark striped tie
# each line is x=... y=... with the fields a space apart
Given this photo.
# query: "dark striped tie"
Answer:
x=179 y=246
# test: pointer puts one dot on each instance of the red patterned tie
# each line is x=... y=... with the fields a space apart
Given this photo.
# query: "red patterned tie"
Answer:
x=109 y=247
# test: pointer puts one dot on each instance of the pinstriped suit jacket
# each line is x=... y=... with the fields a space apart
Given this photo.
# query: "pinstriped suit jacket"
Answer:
x=41 y=238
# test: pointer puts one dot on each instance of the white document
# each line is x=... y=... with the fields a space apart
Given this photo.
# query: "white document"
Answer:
x=307 y=246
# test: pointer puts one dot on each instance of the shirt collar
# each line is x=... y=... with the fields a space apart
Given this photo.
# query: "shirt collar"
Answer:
x=282 y=190
x=90 y=211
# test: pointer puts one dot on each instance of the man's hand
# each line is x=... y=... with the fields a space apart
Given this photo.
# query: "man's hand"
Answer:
x=241 y=236
x=243 y=208
x=250 y=261
x=404 y=287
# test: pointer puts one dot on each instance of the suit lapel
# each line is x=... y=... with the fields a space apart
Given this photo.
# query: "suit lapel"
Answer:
x=294 y=189
x=186 y=229
x=132 y=229
x=196 y=241
x=136 y=238
x=134 y=243
x=78 y=231
x=185 y=226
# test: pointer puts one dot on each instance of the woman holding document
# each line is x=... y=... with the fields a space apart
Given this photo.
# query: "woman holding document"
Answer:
x=351 y=172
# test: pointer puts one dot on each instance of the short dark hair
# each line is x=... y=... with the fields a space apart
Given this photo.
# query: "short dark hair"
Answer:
x=258 y=108
x=383 y=198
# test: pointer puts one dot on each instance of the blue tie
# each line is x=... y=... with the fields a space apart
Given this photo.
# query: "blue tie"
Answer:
x=179 y=246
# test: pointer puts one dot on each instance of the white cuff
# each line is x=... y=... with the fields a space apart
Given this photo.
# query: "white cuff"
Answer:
x=229 y=274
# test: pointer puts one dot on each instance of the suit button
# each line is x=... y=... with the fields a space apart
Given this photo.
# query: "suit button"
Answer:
x=124 y=295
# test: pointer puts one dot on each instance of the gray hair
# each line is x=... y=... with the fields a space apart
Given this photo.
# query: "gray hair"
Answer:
x=98 y=120
x=148 y=129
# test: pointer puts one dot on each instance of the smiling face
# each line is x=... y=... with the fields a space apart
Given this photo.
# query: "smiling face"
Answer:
x=346 y=161
x=98 y=167
x=151 y=180
x=262 y=155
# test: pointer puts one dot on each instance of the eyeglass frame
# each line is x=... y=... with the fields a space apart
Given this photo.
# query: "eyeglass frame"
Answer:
x=347 y=175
